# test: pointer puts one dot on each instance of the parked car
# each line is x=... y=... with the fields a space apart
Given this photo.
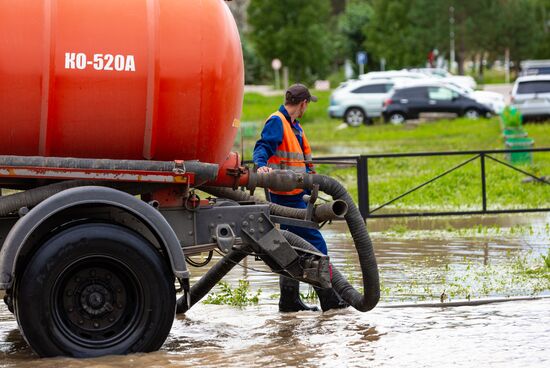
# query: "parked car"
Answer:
x=410 y=101
x=464 y=81
x=494 y=100
x=535 y=67
x=359 y=101
x=393 y=74
x=417 y=74
x=531 y=96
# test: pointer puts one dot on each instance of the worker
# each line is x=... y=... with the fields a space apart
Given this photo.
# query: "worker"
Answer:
x=283 y=145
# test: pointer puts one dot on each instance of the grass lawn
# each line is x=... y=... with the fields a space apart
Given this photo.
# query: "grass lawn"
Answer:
x=391 y=177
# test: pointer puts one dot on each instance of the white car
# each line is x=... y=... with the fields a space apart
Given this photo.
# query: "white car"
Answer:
x=494 y=100
x=465 y=81
x=358 y=101
x=442 y=75
x=531 y=96
x=393 y=74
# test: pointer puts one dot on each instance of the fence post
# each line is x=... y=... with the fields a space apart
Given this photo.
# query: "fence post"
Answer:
x=483 y=183
x=363 y=185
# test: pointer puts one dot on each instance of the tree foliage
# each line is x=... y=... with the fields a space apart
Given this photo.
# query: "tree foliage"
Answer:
x=404 y=31
x=351 y=34
x=254 y=68
x=296 y=32
x=312 y=37
x=542 y=11
x=389 y=34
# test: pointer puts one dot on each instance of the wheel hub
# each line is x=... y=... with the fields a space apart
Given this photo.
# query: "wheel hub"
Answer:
x=94 y=299
x=354 y=117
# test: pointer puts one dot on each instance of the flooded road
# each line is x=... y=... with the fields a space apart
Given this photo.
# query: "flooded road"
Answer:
x=498 y=258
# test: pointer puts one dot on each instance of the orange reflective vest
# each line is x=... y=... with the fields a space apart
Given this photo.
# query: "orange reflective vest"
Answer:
x=289 y=154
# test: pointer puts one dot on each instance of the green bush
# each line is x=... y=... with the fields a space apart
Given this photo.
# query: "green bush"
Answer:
x=239 y=297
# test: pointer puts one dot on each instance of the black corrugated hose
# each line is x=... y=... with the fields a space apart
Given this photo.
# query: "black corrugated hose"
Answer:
x=210 y=279
x=242 y=196
x=281 y=180
x=31 y=197
x=363 y=245
x=321 y=213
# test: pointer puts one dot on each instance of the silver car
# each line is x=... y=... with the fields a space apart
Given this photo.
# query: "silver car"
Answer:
x=359 y=101
x=531 y=96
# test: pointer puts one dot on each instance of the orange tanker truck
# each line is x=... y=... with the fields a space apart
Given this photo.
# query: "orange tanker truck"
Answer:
x=112 y=114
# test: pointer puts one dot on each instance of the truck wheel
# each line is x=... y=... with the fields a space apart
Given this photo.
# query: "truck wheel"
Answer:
x=95 y=289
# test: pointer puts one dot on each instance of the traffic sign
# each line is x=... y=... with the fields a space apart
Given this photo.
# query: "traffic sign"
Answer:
x=276 y=64
x=362 y=58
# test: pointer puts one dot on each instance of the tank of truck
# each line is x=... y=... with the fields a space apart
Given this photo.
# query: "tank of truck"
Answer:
x=125 y=79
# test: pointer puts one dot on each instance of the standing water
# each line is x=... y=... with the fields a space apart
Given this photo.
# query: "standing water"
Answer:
x=498 y=258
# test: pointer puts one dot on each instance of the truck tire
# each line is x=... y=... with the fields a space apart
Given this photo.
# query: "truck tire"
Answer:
x=95 y=289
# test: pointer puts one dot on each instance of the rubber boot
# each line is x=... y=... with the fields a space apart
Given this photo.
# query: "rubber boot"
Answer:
x=290 y=300
x=330 y=299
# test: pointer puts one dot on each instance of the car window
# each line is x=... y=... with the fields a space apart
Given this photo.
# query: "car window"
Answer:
x=371 y=88
x=533 y=87
x=416 y=92
x=388 y=87
x=537 y=70
x=440 y=93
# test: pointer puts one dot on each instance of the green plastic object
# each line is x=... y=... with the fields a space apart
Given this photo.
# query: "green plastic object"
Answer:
x=508 y=133
x=518 y=144
x=511 y=117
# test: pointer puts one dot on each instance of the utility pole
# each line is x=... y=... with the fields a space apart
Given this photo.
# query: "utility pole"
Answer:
x=276 y=64
x=507 y=65
x=451 y=38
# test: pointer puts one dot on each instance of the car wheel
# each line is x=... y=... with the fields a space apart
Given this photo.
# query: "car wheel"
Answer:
x=354 y=116
x=396 y=118
x=95 y=289
x=471 y=114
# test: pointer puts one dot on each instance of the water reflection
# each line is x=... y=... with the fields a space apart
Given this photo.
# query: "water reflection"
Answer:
x=509 y=334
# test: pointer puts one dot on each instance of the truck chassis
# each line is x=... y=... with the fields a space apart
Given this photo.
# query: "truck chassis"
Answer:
x=92 y=249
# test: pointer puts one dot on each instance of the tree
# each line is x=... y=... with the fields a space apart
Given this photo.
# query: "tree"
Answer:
x=518 y=29
x=338 y=6
x=254 y=69
x=392 y=35
x=404 y=31
x=351 y=28
x=296 y=32
x=542 y=10
x=238 y=9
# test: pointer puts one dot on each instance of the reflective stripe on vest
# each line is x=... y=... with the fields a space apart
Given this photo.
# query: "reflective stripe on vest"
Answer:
x=289 y=155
